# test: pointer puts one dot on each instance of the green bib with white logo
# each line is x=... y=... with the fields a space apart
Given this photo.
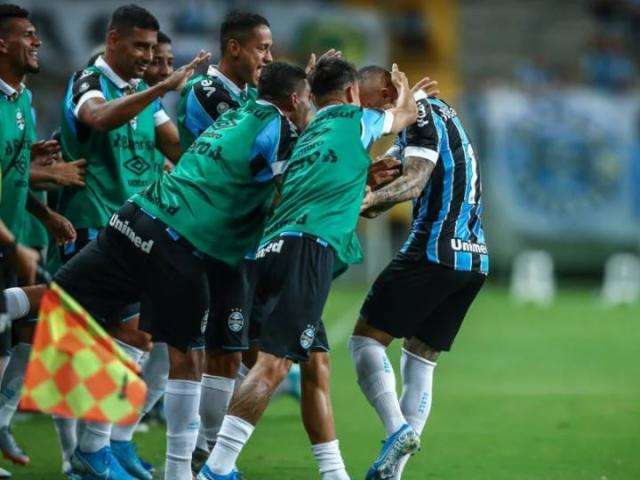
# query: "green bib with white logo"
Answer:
x=17 y=134
x=324 y=183
x=212 y=198
x=120 y=162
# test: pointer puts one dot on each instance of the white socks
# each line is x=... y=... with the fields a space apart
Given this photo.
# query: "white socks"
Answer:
x=330 y=461
x=417 y=381
x=12 y=381
x=417 y=377
x=377 y=380
x=232 y=437
x=17 y=303
x=242 y=372
x=155 y=373
x=216 y=395
x=182 y=399
x=66 y=428
x=94 y=436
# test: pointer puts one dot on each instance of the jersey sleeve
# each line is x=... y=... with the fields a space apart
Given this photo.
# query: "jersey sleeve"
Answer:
x=375 y=124
x=206 y=101
x=86 y=86
x=160 y=115
x=422 y=139
x=272 y=148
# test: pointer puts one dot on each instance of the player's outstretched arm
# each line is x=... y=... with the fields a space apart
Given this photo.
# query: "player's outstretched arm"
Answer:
x=103 y=116
x=58 y=226
x=405 y=112
x=415 y=175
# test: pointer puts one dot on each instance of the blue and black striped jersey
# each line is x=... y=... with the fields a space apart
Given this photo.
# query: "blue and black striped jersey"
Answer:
x=447 y=226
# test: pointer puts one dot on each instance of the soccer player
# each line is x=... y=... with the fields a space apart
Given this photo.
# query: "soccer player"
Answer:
x=155 y=365
x=310 y=236
x=111 y=118
x=19 y=45
x=245 y=44
x=424 y=293
x=205 y=215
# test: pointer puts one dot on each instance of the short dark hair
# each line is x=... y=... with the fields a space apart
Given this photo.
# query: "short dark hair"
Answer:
x=238 y=26
x=372 y=70
x=278 y=80
x=332 y=75
x=8 y=11
x=132 y=16
x=163 y=37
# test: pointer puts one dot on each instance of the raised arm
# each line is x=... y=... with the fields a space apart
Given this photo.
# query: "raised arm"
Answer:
x=405 y=111
x=103 y=116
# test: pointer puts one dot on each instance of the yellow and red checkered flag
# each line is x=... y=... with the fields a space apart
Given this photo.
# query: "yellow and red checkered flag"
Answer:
x=76 y=369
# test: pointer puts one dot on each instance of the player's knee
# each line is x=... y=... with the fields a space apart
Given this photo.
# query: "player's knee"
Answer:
x=222 y=363
x=418 y=347
x=363 y=329
x=272 y=369
x=316 y=372
x=184 y=365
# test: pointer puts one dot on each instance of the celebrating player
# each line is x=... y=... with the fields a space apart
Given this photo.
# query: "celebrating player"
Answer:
x=203 y=216
x=424 y=293
x=111 y=118
x=19 y=45
x=310 y=235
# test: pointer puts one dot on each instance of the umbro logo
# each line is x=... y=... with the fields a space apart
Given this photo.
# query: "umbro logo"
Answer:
x=137 y=165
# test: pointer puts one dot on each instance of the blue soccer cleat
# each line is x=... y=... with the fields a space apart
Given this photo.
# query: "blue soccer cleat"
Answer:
x=127 y=456
x=404 y=441
x=100 y=465
x=207 y=474
x=293 y=386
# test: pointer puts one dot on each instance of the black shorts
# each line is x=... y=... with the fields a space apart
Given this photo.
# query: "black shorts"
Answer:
x=228 y=326
x=414 y=298
x=138 y=258
x=293 y=277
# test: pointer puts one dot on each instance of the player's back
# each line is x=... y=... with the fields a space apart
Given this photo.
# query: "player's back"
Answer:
x=324 y=183
x=447 y=225
x=219 y=193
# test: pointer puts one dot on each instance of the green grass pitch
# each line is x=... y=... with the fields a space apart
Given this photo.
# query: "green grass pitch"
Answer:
x=526 y=393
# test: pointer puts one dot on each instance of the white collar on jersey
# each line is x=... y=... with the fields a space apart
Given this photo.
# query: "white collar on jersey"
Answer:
x=108 y=72
x=266 y=102
x=213 y=71
x=9 y=91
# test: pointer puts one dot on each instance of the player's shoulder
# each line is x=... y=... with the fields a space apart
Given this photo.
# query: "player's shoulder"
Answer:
x=441 y=108
x=85 y=80
x=212 y=94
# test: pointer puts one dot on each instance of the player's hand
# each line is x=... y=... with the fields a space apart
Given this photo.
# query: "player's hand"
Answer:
x=383 y=171
x=60 y=228
x=311 y=64
x=25 y=261
x=179 y=77
x=367 y=201
x=428 y=86
x=399 y=79
x=70 y=174
x=45 y=152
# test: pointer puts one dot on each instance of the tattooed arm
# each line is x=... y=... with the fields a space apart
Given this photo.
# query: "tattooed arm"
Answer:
x=415 y=175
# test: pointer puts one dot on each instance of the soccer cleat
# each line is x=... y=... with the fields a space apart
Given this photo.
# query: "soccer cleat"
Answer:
x=293 y=386
x=198 y=458
x=4 y=473
x=207 y=474
x=10 y=449
x=127 y=456
x=400 y=443
x=100 y=465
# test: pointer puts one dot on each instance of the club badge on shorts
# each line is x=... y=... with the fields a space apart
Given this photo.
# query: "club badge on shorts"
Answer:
x=306 y=339
x=235 y=321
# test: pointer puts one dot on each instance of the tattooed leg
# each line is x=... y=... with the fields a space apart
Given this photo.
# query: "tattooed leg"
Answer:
x=254 y=395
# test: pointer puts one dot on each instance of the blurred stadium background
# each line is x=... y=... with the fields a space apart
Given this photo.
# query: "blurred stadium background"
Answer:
x=549 y=93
